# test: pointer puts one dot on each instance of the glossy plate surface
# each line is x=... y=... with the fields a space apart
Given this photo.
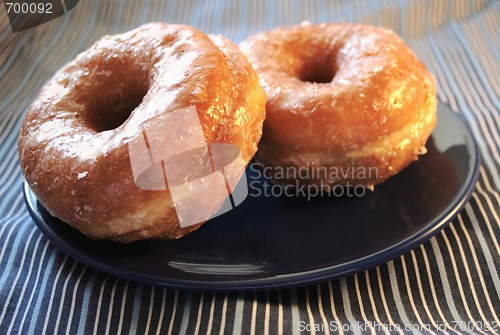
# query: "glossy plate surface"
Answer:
x=285 y=241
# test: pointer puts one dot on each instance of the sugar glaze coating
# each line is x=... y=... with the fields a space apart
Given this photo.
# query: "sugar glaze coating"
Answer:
x=341 y=96
x=73 y=142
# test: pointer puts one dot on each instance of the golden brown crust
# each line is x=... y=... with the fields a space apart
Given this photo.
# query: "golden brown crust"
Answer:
x=73 y=146
x=341 y=96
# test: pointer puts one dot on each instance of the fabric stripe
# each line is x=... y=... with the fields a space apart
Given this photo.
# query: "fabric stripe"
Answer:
x=384 y=301
x=39 y=273
x=85 y=305
x=361 y=308
x=489 y=259
x=16 y=279
x=451 y=280
x=347 y=306
x=433 y=291
x=459 y=281
x=397 y=296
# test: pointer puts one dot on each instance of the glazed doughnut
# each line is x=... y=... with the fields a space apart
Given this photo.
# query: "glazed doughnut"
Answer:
x=73 y=143
x=351 y=102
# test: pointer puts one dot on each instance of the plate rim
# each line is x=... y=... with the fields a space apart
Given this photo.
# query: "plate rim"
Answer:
x=294 y=279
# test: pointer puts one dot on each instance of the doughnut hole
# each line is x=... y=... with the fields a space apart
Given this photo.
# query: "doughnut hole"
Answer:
x=112 y=90
x=317 y=73
x=317 y=70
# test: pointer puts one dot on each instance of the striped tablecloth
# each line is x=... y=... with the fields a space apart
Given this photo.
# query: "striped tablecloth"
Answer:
x=448 y=283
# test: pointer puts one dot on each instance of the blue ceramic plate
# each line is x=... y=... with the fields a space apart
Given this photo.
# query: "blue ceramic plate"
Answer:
x=285 y=241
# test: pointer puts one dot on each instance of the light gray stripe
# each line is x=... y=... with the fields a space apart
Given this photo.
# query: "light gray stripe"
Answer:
x=489 y=209
x=479 y=106
x=489 y=38
x=34 y=74
x=484 y=89
x=204 y=14
x=63 y=297
x=136 y=309
x=25 y=285
x=38 y=274
x=145 y=11
x=295 y=312
x=483 y=84
x=41 y=292
x=99 y=305
x=479 y=270
x=22 y=86
x=486 y=56
x=11 y=218
x=477 y=131
x=118 y=17
x=397 y=297
x=443 y=89
x=492 y=23
x=458 y=278
x=73 y=300
x=445 y=282
x=433 y=289
x=63 y=4
x=7 y=269
x=16 y=279
x=420 y=291
x=347 y=306
x=111 y=305
x=489 y=194
x=238 y=314
x=14 y=54
x=14 y=207
x=384 y=301
x=9 y=167
x=484 y=248
x=174 y=310
x=185 y=313
x=10 y=124
x=85 y=303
